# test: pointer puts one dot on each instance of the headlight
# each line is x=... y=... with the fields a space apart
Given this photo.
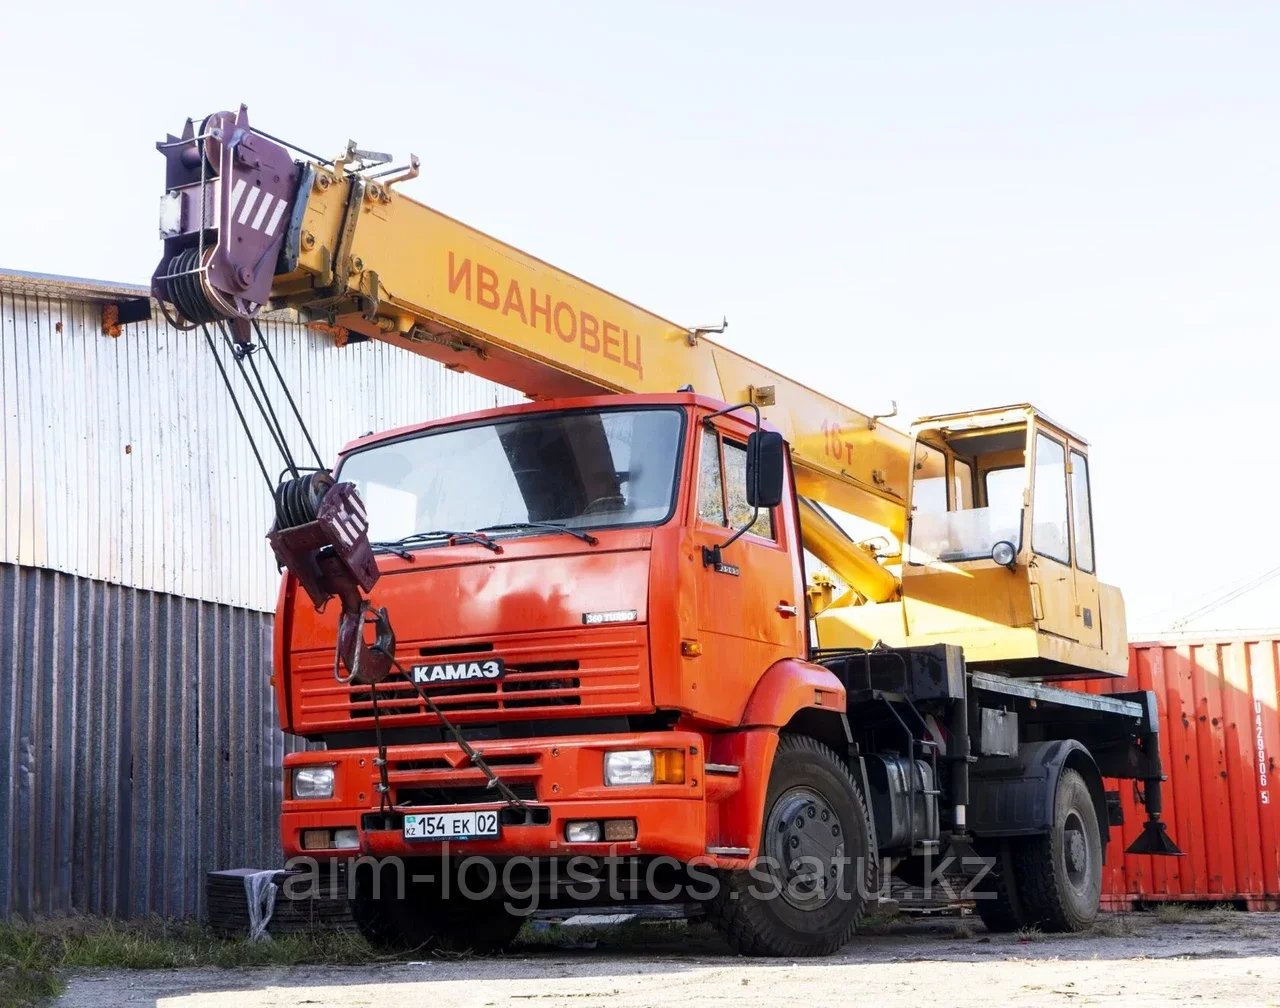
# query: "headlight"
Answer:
x=1003 y=553
x=644 y=766
x=313 y=782
x=631 y=766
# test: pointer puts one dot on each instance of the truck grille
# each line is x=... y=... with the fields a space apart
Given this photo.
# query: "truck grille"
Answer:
x=462 y=795
x=598 y=669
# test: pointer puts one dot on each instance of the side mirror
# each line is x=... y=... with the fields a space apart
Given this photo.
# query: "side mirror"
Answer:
x=766 y=463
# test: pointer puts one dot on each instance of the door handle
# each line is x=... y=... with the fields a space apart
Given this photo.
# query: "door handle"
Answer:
x=788 y=610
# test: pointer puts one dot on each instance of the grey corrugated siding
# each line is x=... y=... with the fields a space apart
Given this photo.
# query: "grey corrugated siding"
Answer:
x=139 y=746
x=122 y=459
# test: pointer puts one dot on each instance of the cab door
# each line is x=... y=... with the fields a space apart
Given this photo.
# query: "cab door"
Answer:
x=1053 y=583
x=751 y=607
x=1088 y=617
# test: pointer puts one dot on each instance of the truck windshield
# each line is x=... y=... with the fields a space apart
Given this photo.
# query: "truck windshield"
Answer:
x=580 y=469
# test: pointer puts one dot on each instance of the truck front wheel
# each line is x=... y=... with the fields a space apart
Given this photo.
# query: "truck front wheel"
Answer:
x=806 y=894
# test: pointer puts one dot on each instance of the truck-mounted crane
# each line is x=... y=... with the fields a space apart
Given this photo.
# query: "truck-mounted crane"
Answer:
x=581 y=626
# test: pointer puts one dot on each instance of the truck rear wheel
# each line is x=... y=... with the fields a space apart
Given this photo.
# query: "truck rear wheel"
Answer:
x=996 y=896
x=806 y=894
x=1059 y=876
x=1051 y=882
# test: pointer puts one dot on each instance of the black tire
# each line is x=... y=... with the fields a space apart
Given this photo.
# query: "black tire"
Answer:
x=996 y=895
x=423 y=920
x=376 y=917
x=460 y=925
x=767 y=912
x=1058 y=877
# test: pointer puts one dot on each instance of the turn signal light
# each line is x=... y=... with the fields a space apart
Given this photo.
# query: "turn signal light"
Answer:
x=668 y=766
x=619 y=829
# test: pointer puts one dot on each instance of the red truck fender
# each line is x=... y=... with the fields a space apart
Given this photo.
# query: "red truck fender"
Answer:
x=789 y=686
x=794 y=693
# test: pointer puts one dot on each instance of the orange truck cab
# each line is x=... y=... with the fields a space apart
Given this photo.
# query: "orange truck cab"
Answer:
x=551 y=650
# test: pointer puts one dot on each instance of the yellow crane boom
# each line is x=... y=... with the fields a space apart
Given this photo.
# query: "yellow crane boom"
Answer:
x=374 y=262
x=246 y=225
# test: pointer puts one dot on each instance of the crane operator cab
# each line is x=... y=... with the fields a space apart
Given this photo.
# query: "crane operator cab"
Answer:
x=999 y=554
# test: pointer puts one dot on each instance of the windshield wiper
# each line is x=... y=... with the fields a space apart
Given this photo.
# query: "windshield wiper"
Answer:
x=397 y=546
x=586 y=537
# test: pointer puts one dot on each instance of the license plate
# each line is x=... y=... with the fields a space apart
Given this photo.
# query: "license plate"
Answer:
x=459 y=672
x=451 y=825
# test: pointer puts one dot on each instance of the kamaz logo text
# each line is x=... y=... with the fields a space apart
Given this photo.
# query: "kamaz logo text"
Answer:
x=456 y=672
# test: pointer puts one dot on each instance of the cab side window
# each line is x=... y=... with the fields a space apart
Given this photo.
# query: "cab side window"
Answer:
x=710 y=482
x=735 y=485
x=722 y=486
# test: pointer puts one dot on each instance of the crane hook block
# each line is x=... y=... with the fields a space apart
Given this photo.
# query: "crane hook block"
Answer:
x=228 y=204
x=321 y=536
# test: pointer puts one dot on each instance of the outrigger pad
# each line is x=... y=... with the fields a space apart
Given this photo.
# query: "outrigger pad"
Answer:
x=1154 y=839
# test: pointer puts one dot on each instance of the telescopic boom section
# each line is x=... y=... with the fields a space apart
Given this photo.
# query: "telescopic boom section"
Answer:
x=246 y=226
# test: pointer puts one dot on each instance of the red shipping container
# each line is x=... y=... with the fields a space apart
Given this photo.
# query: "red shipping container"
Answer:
x=1219 y=742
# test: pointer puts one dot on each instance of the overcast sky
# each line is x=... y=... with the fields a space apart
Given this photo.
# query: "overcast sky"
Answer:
x=950 y=205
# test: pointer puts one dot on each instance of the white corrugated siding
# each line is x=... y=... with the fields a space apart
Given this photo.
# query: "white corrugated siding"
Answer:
x=122 y=459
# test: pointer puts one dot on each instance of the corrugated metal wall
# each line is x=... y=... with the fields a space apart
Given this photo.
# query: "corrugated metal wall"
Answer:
x=138 y=746
x=122 y=459
x=1219 y=743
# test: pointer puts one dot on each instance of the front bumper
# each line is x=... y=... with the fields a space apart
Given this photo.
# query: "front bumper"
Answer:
x=562 y=778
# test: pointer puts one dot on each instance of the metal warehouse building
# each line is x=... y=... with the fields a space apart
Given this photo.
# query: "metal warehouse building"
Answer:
x=139 y=745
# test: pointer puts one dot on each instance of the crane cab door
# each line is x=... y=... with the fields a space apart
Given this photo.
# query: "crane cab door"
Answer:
x=1053 y=586
x=1089 y=630
x=1063 y=579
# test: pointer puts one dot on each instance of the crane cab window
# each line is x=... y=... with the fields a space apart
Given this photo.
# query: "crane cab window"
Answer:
x=966 y=495
x=1049 y=529
x=722 y=486
x=1082 y=512
x=1002 y=488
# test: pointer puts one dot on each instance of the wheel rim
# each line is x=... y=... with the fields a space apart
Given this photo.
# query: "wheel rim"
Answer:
x=803 y=828
x=1076 y=855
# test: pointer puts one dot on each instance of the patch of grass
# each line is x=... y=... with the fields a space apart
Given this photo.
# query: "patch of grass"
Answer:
x=1028 y=934
x=1172 y=913
x=962 y=929
x=1190 y=913
x=1223 y=913
x=31 y=955
x=881 y=922
x=20 y=988
x=1113 y=925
